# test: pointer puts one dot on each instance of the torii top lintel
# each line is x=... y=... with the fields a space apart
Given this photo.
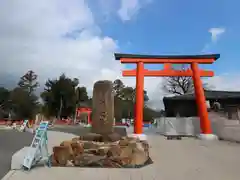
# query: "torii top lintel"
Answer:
x=167 y=61
x=175 y=59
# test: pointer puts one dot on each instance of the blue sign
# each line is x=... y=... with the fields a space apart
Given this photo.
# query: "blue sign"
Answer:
x=38 y=150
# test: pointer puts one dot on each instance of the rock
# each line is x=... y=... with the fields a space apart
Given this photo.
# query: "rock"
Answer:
x=114 y=151
x=90 y=145
x=69 y=145
x=92 y=137
x=77 y=148
x=91 y=151
x=102 y=151
x=125 y=141
x=122 y=131
x=112 y=137
x=110 y=163
x=123 y=161
x=145 y=147
x=53 y=161
x=138 y=158
x=86 y=159
x=76 y=139
x=61 y=154
x=103 y=108
x=126 y=151
x=140 y=154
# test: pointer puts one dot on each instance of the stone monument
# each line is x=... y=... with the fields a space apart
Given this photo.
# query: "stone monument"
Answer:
x=103 y=108
x=117 y=151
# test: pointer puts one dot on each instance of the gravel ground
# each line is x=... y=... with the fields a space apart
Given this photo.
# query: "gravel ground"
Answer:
x=11 y=141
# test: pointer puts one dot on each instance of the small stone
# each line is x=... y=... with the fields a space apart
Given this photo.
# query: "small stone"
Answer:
x=69 y=163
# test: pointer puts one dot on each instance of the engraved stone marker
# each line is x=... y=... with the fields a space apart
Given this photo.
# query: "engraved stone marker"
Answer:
x=103 y=108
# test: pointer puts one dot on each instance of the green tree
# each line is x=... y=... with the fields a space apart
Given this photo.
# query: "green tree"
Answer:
x=124 y=100
x=61 y=96
x=118 y=87
x=4 y=102
x=23 y=104
x=29 y=82
x=81 y=95
x=4 y=96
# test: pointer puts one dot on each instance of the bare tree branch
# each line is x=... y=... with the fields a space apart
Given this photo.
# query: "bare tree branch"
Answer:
x=180 y=85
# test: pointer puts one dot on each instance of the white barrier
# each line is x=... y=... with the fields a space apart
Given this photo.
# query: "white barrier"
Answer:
x=221 y=126
x=176 y=126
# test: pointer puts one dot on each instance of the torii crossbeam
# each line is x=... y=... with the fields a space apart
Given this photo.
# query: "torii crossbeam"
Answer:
x=168 y=61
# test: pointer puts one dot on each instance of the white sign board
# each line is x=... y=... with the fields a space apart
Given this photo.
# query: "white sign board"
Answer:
x=38 y=149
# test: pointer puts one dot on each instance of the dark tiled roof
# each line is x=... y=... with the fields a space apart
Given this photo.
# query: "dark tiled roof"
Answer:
x=209 y=95
x=118 y=56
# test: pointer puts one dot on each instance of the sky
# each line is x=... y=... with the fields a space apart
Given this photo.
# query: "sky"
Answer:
x=79 y=38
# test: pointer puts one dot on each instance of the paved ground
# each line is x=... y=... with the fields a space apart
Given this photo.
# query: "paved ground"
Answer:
x=79 y=130
x=187 y=159
x=11 y=141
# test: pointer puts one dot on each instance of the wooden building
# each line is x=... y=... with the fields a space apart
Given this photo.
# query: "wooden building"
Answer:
x=185 y=105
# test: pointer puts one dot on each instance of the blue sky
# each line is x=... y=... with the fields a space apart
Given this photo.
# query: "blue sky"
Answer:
x=38 y=35
x=181 y=27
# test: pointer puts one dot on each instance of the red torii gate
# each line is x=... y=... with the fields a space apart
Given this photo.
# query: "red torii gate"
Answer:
x=140 y=72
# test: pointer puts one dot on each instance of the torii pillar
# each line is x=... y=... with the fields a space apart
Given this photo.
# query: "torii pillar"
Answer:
x=195 y=72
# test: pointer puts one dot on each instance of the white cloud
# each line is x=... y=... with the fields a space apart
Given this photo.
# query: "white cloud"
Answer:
x=226 y=81
x=129 y=8
x=32 y=37
x=216 y=33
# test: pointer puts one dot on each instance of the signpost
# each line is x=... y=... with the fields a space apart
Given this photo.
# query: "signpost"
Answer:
x=38 y=150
